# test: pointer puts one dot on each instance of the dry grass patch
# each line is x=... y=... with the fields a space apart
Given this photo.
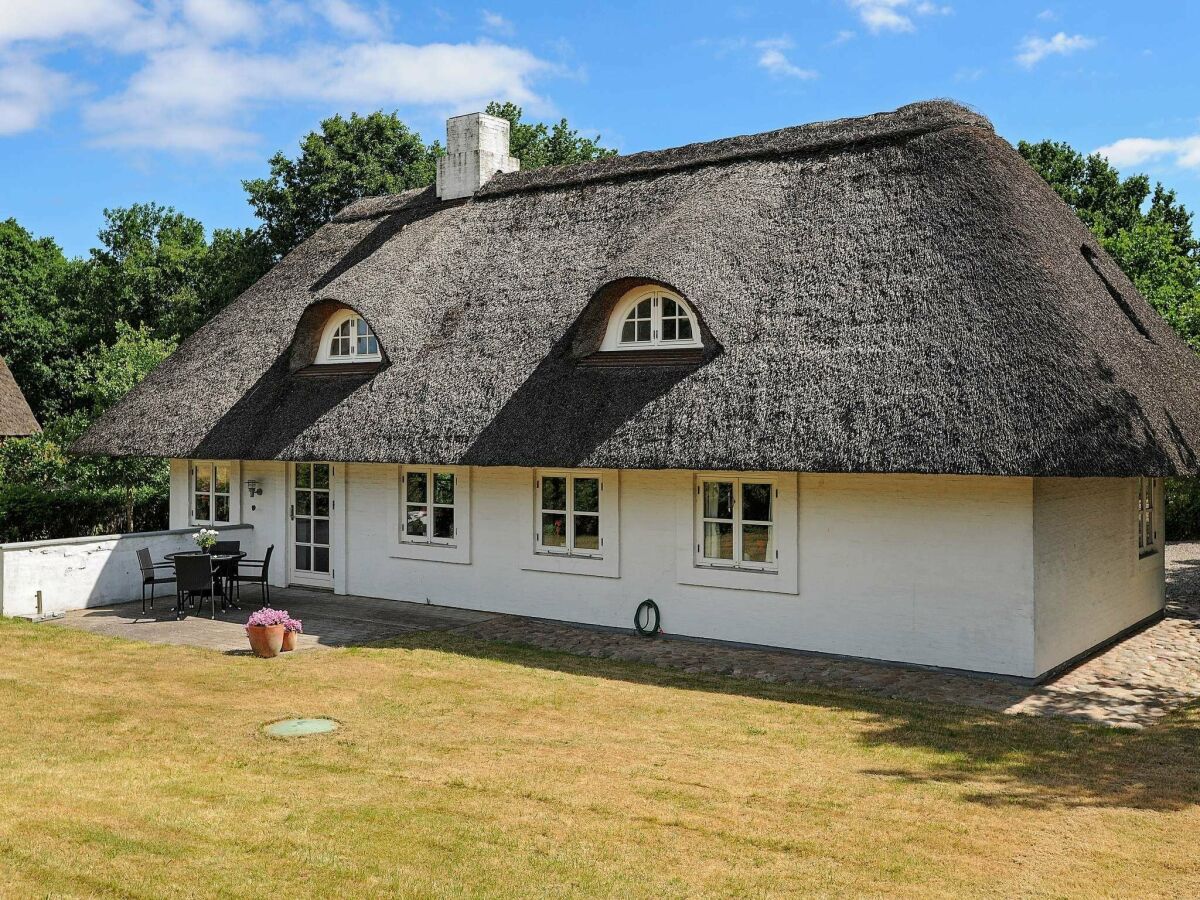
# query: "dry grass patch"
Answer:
x=466 y=769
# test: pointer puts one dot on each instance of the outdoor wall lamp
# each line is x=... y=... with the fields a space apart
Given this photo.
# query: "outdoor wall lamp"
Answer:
x=254 y=487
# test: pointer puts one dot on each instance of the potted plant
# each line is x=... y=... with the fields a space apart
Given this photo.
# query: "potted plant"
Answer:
x=205 y=538
x=266 y=628
x=291 y=628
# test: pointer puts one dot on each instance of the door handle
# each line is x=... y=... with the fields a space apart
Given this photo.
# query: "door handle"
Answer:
x=292 y=511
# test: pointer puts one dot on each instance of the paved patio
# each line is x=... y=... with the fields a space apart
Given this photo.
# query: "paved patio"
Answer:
x=1132 y=685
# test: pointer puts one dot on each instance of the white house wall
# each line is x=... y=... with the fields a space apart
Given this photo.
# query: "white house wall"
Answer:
x=930 y=570
x=1005 y=575
x=1089 y=580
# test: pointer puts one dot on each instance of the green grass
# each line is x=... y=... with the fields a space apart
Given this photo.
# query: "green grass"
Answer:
x=468 y=769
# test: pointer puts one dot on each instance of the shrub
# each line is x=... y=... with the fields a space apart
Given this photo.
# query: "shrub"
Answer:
x=1183 y=509
x=35 y=513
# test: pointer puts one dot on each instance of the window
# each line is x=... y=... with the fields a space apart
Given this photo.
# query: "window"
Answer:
x=568 y=520
x=652 y=317
x=347 y=338
x=210 y=493
x=735 y=522
x=428 y=498
x=1147 y=529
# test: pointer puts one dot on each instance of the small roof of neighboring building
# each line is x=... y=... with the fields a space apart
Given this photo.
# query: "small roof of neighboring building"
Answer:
x=16 y=418
x=894 y=293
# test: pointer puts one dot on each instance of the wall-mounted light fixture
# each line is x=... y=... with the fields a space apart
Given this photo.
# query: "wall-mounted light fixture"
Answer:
x=254 y=487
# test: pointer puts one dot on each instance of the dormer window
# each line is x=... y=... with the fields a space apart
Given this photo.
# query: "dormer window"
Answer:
x=348 y=339
x=652 y=317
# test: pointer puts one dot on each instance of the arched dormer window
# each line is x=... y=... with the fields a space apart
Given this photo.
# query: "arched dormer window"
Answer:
x=652 y=316
x=347 y=339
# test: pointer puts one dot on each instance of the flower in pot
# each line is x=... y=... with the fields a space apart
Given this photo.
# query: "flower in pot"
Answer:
x=266 y=629
x=205 y=538
x=291 y=628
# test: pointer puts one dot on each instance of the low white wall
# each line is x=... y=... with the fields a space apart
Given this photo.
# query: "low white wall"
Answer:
x=1089 y=580
x=75 y=573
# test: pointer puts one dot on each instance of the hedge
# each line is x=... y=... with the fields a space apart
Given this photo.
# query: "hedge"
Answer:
x=34 y=513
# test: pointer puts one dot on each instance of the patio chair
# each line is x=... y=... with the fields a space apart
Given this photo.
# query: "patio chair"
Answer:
x=150 y=575
x=194 y=581
x=259 y=576
x=226 y=547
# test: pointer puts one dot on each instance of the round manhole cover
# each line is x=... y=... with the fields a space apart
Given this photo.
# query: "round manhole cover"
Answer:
x=301 y=727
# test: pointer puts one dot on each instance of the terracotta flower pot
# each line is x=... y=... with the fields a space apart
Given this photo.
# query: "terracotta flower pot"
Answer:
x=289 y=641
x=265 y=640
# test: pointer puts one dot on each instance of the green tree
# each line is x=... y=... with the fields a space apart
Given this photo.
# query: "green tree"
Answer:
x=365 y=156
x=537 y=145
x=362 y=156
x=34 y=338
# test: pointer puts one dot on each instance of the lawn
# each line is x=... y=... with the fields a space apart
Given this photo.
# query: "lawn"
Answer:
x=467 y=769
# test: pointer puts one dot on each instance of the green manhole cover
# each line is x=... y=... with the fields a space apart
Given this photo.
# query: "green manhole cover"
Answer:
x=300 y=727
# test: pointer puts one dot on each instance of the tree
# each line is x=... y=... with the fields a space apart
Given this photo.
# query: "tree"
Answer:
x=365 y=156
x=34 y=338
x=362 y=156
x=535 y=145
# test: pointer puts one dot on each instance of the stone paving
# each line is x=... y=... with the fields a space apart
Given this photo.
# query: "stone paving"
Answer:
x=1131 y=685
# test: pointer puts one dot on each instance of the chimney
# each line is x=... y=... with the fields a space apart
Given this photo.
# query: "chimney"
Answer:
x=476 y=149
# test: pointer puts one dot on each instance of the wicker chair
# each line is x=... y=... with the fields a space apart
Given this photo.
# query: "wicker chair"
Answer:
x=150 y=575
x=259 y=577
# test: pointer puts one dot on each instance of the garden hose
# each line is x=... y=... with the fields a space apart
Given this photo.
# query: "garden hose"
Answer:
x=650 y=608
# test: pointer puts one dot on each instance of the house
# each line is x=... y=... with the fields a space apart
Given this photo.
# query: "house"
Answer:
x=16 y=418
x=863 y=387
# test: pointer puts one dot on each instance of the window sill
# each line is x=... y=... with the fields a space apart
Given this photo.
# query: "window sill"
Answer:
x=717 y=567
x=459 y=553
x=565 y=564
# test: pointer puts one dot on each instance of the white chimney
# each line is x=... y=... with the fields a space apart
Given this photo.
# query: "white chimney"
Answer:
x=476 y=149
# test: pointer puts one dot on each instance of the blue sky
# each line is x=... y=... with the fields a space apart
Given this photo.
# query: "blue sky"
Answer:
x=110 y=102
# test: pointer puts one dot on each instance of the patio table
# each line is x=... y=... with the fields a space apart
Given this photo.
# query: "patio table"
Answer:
x=223 y=564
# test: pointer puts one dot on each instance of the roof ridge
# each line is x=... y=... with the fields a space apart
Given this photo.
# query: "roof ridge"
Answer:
x=900 y=124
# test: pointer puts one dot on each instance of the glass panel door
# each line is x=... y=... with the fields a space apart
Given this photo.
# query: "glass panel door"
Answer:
x=310 y=522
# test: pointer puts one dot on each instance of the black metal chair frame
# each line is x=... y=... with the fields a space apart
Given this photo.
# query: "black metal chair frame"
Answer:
x=195 y=579
x=260 y=579
x=148 y=566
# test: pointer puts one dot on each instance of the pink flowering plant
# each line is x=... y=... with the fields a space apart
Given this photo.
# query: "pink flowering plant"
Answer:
x=267 y=617
x=294 y=625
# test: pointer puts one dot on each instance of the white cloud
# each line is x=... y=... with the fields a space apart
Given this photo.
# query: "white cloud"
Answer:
x=221 y=19
x=203 y=99
x=842 y=37
x=773 y=57
x=497 y=24
x=28 y=93
x=1184 y=152
x=1034 y=49
x=21 y=20
x=348 y=18
x=895 y=15
x=1047 y=15
x=883 y=15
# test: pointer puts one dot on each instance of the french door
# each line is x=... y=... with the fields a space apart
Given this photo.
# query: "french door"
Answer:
x=310 y=512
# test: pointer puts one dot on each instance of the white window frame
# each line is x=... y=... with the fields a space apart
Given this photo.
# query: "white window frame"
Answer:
x=606 y=563
x=402 y=546
x=212 y=493
x=737 y=522
x=430 y=472
x=325 y=355
x=1146 y=499
x=569 y=548
x=627 y=304
x=691 y=569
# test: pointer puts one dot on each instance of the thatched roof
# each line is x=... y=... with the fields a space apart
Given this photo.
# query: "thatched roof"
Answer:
x=897 y=293
x=16 y=418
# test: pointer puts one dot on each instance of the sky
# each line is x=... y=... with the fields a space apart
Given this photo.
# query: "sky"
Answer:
x=104 y=103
